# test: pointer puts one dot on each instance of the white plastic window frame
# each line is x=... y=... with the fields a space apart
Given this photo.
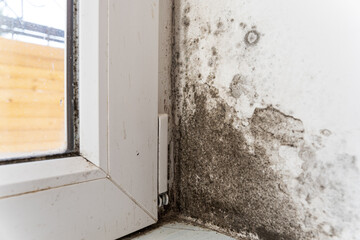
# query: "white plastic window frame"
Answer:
x=110 y=190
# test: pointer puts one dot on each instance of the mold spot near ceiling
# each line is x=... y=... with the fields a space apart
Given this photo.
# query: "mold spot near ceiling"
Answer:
x=252 y=37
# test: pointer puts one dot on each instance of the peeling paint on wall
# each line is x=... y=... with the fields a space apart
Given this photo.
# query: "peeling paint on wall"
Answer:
x=257 y=148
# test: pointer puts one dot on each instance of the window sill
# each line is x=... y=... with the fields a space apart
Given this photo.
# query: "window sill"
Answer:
x=22 y=178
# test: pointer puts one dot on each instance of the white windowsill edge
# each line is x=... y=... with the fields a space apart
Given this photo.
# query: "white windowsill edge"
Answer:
x=22 y=178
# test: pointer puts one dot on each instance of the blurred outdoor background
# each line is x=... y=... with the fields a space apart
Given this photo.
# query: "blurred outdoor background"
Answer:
x=32 y=98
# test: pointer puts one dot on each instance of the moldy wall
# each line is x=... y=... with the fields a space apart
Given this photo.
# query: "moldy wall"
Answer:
x=266 y=116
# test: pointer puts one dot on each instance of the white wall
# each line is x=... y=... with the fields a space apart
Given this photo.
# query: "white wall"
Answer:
x=305 y=64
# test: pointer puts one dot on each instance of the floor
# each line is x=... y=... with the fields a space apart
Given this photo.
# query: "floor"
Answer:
x=180 y=231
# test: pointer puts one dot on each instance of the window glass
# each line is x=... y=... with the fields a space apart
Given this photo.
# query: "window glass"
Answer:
x=33 y=103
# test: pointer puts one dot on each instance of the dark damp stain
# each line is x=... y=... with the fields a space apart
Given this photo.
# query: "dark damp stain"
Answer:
x=214 y=93
x=214 y=51
x=205 y=29
x=210 y=78
x=252 y=37
x=187 y=9
x=221 y=176
x=219 y=28
x=186 y=21
x=264 y=234
x=75 y=72
x=243 y=25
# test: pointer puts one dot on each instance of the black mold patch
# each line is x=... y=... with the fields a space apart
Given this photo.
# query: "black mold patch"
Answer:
x=264 y=234
x=221 y=177
x=222 y=181
x=252 y=37
x=242 y=25
x=76 y=74
x=186 y=21
x=214 y=51
x=220 y=28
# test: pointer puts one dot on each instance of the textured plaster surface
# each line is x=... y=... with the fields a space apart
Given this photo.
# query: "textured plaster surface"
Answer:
x=267 y=118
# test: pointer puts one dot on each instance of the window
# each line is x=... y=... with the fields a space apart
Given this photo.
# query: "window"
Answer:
x=36 y=96
x=110 y=188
